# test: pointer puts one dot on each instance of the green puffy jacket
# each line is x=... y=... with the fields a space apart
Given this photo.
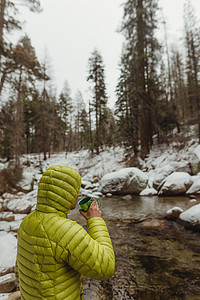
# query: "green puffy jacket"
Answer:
x=54 y=251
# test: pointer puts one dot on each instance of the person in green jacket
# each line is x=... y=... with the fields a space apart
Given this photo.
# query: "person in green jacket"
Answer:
x=53 y=251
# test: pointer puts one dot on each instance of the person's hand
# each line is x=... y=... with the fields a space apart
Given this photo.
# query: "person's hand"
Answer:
x=92 y=212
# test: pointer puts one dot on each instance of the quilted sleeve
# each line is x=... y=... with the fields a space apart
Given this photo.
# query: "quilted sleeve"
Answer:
x=90 y=254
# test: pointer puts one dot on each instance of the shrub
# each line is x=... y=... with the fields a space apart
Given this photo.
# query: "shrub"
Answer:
x=9 y=178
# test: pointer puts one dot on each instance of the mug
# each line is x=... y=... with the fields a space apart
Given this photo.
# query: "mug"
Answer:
x=85 y=203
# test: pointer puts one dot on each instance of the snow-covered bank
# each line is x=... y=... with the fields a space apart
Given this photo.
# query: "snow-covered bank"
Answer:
x=160 y=163
x=88 y=165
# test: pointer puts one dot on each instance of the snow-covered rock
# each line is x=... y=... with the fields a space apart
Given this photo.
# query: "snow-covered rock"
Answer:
x=14 y=296
x=127 y=197
x=5 y=226
x=85 y=183
x=174 y=213
x=192 y=202
x=97 y=194
x=27 y=181
x=191 y=215
x=176 y=183
x=108 y=195
x=195 y=160
x=4 y=296
x=18 y=205
x=124 y=181
x=8 y=250
x=7 y=216
x=195 y=187
x=10 y=226
x=165 y=171
x=31 y=197
x=7 y=283
x=149 y=192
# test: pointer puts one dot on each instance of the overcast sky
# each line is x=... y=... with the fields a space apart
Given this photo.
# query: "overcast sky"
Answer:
x=71 y=29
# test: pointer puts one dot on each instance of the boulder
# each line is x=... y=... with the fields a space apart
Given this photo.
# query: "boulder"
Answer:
x=149 y=192
x=7 y=216
x=125 y=181
x=161 y=174
x=174 y=213
x=109 y=195
x=7 y=283
x=191 y=215
x=27 y=182
x=85 y=183
x=4 y=296
x=8 y=250
x=5 y=226
x=31 y=197
x=14 y=296
x=19 y=206
x=165 y=171
x=127 y=197
x=195 y=160
x=97 y=194
x=175 y=184
x=154 y=224
x=19 y=203
x=195 y=187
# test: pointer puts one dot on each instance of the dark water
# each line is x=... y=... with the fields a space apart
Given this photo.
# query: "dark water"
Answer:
x=156 y=259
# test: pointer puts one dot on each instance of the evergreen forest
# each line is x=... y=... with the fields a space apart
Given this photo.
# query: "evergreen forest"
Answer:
x=157 y=93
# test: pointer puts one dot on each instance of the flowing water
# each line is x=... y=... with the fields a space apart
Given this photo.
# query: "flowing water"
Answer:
x=156 y=258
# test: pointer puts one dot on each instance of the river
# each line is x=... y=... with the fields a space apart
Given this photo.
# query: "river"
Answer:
x=156 y=258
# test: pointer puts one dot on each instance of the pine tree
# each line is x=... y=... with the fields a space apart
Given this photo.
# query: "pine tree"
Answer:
x=78 y=108
x=8 y=22
x=65 y=108
x=138 y=83
x=7 y=119
x=192 y=39
x=179 y=86
x=27 y=70
x=97 y=77
x=84 y=129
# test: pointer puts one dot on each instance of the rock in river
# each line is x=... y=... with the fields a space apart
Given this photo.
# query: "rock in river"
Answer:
x=176 y=183
x=125 y=181
x=191 y=215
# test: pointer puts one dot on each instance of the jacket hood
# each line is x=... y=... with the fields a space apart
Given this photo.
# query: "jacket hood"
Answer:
x=58 y=189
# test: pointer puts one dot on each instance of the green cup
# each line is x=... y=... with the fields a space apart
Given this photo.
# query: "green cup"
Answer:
x=85 y=203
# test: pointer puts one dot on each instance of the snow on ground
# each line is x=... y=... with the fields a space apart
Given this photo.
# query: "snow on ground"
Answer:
x=8 y=248
x=110 y=160
x=164 y=155
x=88 y=165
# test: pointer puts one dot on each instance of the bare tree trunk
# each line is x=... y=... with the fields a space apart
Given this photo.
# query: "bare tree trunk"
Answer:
x=90 y=125
x=18 y=123
x=3 y=77
x=141 y=82
x=2 y=10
